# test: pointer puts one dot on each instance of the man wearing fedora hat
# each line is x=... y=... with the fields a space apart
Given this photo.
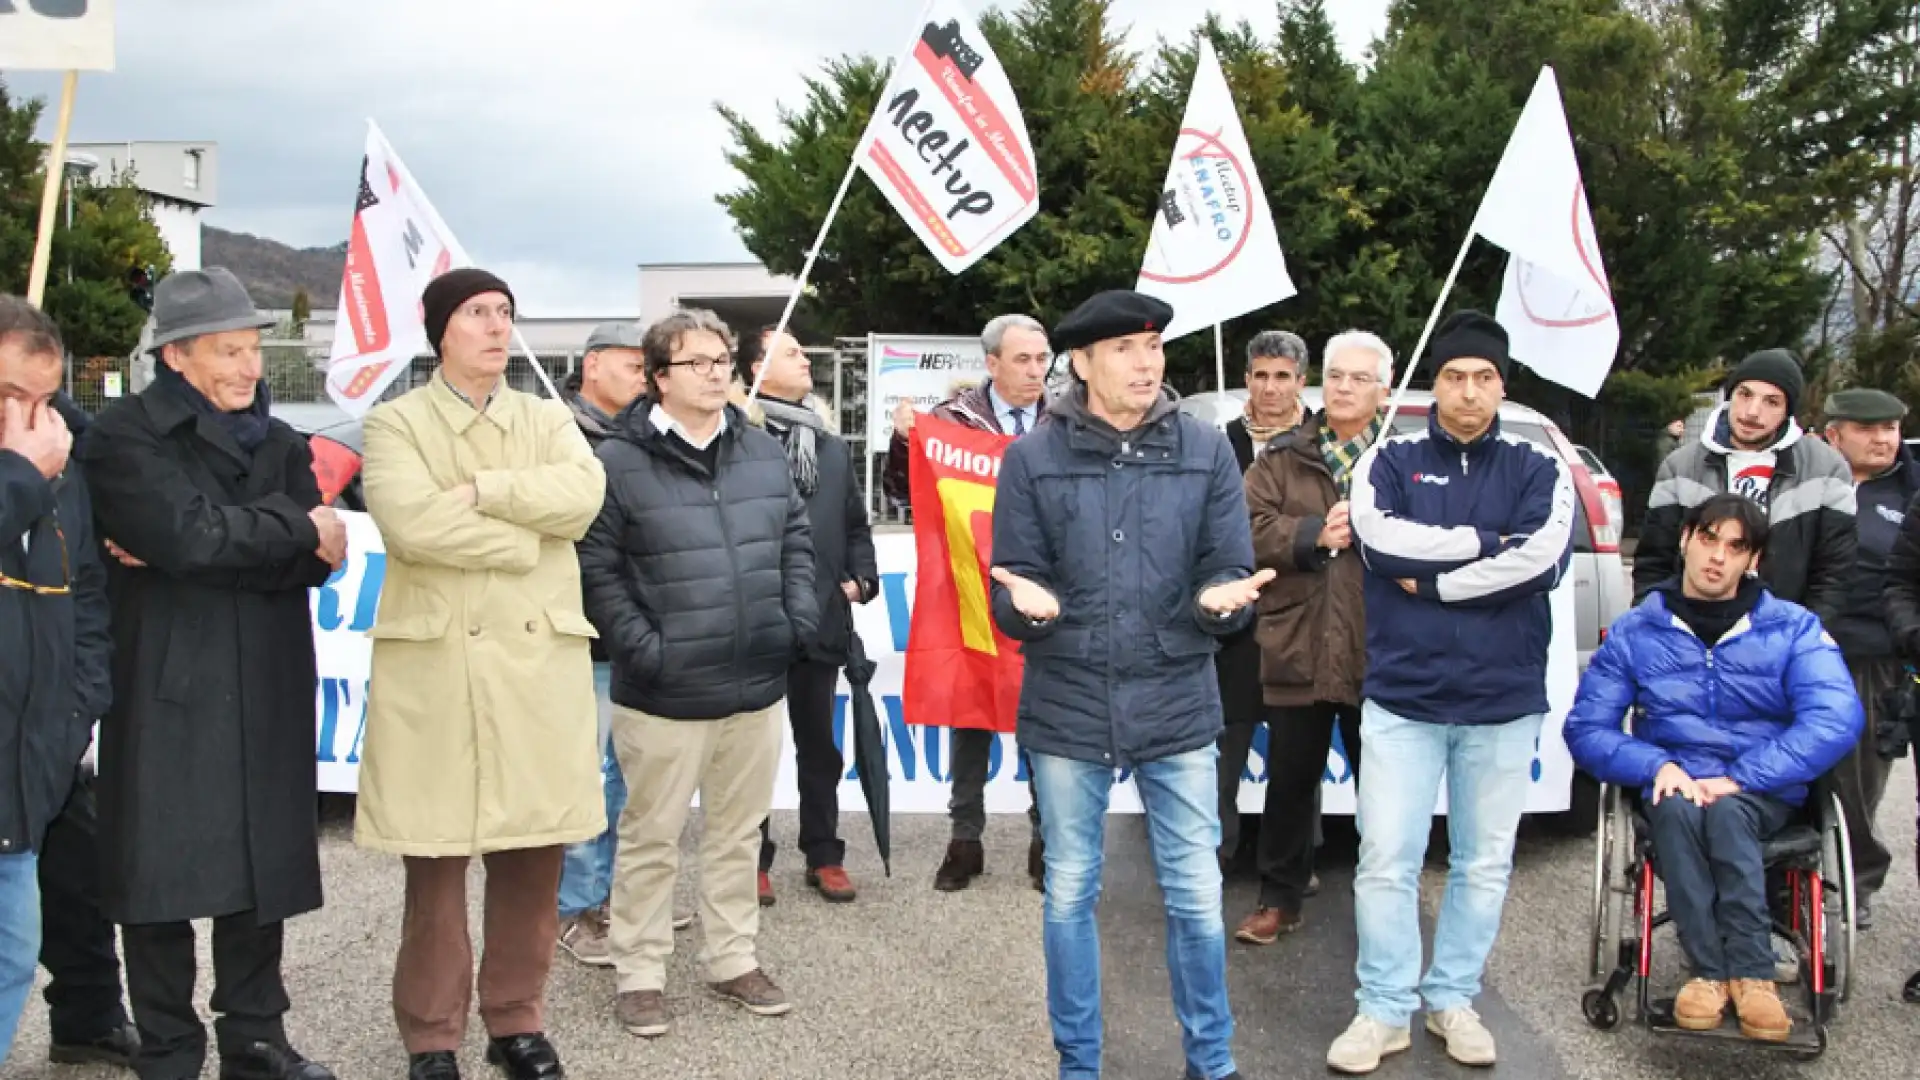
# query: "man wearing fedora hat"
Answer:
x=206 y=786
x=1122 y=555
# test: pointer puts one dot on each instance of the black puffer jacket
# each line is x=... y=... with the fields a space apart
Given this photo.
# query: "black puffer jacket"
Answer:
x=701 y=582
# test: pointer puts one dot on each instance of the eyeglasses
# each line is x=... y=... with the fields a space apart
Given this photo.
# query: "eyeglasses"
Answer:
x=1359 y=380
x=66 y=573
x=700 y=365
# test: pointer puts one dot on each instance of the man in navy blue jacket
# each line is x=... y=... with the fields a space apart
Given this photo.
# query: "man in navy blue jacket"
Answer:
x=1464 y=530
x=1122 y=554
x=1742 y=702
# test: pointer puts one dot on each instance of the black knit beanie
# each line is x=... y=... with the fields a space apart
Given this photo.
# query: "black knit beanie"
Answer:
x=1775 y=367
x=447 y=292
x=1470 y=334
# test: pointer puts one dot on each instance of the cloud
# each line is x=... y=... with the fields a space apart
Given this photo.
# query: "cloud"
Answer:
x=567 y=139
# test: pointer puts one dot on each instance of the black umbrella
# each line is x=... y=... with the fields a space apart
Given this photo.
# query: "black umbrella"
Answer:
x=870 y=750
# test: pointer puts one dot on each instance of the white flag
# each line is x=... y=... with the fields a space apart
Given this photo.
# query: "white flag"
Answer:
x=397 y=246
x=1214 y=254
x=947 y=145
x=1555 y=301
x=56 y=35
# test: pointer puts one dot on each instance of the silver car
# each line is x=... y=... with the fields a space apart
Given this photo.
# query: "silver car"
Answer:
x=1602 y=586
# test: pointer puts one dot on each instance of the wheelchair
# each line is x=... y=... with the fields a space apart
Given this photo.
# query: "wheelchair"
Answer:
x=1812 y=854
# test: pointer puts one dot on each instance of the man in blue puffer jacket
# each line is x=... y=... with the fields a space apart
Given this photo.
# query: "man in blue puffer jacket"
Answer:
x=1122 y=554
x=1741 y=702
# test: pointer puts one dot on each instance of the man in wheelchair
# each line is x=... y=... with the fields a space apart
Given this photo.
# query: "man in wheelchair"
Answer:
x=1740 y=701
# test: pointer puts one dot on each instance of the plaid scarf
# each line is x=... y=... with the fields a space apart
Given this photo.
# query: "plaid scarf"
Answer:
x=1342 y=456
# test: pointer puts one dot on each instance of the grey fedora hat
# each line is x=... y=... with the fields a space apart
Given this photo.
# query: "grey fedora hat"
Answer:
x=194 y=302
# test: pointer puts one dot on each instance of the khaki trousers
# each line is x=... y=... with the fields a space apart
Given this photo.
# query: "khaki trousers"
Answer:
x=433 y=978
x=731 y=763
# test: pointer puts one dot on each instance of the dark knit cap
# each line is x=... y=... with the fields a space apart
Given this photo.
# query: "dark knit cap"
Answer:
x=1470 y=334
x=1775 y=367
x=446 y=293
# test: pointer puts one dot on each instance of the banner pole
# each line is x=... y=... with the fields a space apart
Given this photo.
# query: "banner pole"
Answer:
x=1420 y=348
x=50 y=195
x=1219 y=358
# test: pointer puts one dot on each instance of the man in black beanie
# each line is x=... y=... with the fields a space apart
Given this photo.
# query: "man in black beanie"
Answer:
x=1753 y=446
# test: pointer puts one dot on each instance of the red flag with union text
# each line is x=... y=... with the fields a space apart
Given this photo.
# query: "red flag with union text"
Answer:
x=962 y=672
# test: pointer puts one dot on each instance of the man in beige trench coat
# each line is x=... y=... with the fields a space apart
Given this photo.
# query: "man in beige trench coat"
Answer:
x=481 y=726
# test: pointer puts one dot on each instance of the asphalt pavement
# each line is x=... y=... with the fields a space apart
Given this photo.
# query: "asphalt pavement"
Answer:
x=910 y=984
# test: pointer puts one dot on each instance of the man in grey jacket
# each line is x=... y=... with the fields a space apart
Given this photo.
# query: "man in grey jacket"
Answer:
x=699 y=577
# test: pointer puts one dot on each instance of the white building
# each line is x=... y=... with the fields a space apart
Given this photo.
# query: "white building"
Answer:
x=181 y=181
x=744 y=295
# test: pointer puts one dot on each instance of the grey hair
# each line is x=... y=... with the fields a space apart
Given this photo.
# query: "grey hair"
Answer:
x=1367 y=342
x=663 y=337
x=1279 y=344
x=996 y=331
x=40 y=334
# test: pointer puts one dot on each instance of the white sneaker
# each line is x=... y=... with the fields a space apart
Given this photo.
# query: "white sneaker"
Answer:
x=1364 y=1043
x=1468 y=1040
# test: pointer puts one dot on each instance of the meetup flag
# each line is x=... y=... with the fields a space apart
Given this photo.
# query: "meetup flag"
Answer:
x=397 y=245
x=947 y=145
x=1215 y=254
x=1554 y=301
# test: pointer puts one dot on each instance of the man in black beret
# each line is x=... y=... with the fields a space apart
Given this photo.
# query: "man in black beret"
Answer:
x=1122 y=554
x=1864 y=426
x=1753 y=446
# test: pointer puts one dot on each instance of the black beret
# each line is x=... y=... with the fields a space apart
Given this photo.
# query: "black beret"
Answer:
x=1112 y=314
x=1468 y=333
x=1863 y=405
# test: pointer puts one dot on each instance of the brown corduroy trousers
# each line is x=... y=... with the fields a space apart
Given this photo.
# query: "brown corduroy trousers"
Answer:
x=433 y=978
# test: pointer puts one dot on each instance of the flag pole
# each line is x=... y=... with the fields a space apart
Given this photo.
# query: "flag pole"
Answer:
x=1219 y=358
x=50 y=195
x=833 y=209
x=1420 y=348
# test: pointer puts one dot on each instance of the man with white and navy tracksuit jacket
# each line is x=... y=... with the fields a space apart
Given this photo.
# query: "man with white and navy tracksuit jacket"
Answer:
x=1464 y=530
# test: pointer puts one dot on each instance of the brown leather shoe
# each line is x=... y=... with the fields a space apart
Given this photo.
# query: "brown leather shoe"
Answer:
x=755 y=993
x=1762 y=1016
x=766 y=890
x=643 y=1013
x=965 y=860
x=833 y=884
x=1701 y=1006
x=1037 y=864
x=1266 y=924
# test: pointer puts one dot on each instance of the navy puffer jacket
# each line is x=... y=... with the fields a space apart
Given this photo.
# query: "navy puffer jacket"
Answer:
x=1770 y=707
x=1126 y=529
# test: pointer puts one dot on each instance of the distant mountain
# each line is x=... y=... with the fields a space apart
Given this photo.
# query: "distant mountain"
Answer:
x=272 y=271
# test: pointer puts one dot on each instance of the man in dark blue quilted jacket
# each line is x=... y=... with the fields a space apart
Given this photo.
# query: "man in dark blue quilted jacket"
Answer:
x=1741 y=701
x=1122 y=554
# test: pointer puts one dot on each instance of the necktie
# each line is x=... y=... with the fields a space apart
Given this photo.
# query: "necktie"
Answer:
x=1019 y=422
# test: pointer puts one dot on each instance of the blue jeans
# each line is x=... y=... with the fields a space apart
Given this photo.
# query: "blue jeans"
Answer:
x=1181 y=798
x=1716 y=879
x=586 y=876
x=1488 y=769
x=19 y=938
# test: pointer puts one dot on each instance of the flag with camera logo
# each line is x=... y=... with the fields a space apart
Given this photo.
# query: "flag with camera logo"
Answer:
x=962 y=672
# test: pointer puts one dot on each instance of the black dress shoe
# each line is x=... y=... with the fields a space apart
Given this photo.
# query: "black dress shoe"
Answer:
x=117 y=1047
x=433 y=1065
x=268 y=1061
x=526 y=1057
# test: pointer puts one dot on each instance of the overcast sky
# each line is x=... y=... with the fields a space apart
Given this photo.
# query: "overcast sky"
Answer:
x=564 y=141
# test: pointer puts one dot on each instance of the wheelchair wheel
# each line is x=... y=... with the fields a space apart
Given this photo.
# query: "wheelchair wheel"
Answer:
x=1601 y=1010
x=1836 y=868
x=1613 y=852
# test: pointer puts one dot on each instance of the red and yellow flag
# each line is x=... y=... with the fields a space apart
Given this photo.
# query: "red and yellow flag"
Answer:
x=962 y=672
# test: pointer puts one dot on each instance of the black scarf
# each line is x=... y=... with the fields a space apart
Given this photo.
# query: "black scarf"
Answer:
x=1711 y=619
x=248 y=427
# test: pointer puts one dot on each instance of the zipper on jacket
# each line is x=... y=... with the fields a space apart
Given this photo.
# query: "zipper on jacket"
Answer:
x=1464 y=467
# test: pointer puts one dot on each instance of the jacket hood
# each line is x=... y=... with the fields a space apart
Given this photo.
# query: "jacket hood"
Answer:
x=1718 y=438
x=589 y=416
x=1072 y=406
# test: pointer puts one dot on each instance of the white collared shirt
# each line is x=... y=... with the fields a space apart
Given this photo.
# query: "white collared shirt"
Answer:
x=661 y=421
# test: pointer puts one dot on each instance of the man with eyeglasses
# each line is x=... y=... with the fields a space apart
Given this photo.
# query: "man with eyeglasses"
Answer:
x=207 y=783
x=481 y=725
x=699 y=576
x=53 y=632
